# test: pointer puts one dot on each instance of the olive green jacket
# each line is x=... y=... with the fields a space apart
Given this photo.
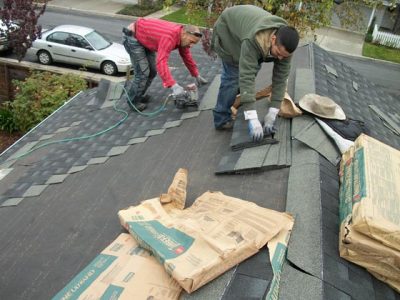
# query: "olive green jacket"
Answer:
x=234 y=40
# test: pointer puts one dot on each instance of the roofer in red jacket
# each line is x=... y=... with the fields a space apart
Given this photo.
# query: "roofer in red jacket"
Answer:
x=143 y=39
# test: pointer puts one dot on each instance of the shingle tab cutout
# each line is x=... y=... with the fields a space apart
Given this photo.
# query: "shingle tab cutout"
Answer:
x=57 y=179
x=190 y=115
x=35 y=190
x=76 y=169
x=172 y=124
x=331 y=70
x=117 y=150
x=97 y=160
x=5 y=172
x=46 y=137
x=155 y=132
x=210 y=97
x=386 y=119
x=304 y=83
x=137 y=140
x=12 y=202
x=28 y=146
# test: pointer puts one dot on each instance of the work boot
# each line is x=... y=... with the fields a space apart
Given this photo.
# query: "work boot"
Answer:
x=227 y=126
x=139 y=106
x=145 y=99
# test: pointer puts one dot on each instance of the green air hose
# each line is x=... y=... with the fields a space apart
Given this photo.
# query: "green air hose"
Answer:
x=85 y=137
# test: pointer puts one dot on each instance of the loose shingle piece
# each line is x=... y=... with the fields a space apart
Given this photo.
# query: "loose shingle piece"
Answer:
x=249 y=156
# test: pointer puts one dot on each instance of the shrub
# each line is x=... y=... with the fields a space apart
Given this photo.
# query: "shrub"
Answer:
x=7 y=123
x=368 y=36
x=40 y=94
x=141 y=10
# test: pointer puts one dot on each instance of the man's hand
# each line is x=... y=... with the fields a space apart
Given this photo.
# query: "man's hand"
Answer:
x=177 y=89
x=255 y=130
x=269 y=121
x=200 y=80
x=254 y=125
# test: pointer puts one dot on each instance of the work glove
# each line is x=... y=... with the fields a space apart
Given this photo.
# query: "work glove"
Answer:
x=177 y=89
x=254 y=125
x=269 y=121
x=200 y=80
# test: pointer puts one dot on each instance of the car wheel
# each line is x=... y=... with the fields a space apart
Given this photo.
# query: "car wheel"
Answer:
x=109 y=68
x=44 y=57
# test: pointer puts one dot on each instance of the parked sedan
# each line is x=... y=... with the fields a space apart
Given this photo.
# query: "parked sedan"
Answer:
x=80 y=45
x=4 y=34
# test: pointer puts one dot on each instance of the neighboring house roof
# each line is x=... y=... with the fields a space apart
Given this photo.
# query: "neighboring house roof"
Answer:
x=67 y=196
x=383 y=73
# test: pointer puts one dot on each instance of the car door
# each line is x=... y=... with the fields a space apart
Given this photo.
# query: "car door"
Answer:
x=58 y=45
x=84 y=53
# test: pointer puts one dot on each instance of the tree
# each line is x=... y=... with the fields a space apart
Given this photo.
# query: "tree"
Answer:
x=25 y=13
x=306 y=15
x=396 y=28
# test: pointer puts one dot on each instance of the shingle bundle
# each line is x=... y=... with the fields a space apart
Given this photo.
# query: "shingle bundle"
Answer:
x=370 y=208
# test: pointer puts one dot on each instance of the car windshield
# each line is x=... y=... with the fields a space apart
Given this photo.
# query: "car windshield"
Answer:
x=97 y=41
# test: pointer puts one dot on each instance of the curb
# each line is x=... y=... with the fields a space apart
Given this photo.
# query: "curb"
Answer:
x=89 y=12
x=157 y=14
x=59 y=70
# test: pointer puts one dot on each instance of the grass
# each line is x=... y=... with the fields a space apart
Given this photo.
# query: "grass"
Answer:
x=180 y=16
x=381 y=52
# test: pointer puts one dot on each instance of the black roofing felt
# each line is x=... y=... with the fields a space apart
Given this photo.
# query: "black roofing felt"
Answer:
x=80 y=186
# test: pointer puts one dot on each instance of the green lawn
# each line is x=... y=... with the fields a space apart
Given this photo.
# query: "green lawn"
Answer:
x=381 y=52
x=180 y=16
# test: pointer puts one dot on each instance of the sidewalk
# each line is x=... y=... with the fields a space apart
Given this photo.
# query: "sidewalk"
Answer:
x=340 y=40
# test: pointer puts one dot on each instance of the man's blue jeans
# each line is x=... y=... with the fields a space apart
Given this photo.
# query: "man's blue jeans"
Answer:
x=144 y=68
x=228 y=90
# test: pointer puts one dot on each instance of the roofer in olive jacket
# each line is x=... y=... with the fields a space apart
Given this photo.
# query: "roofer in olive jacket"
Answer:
x=245 y=36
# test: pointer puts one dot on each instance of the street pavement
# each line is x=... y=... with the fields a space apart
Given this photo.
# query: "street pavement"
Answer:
x=329 y=38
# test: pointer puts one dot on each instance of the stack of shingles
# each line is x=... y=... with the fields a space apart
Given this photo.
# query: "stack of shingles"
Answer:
x=369 y=208
x=247 y=155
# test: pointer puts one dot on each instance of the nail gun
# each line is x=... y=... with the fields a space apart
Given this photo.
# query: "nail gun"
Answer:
x=188 y=98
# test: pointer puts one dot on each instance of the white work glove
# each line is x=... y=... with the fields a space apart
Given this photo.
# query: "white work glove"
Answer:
x=200 y=80
x=269 y=121
x=177 y=89
x=254 y=125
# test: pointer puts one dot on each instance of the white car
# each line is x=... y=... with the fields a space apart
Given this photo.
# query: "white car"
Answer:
x=4 y=30
x=83 y=46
